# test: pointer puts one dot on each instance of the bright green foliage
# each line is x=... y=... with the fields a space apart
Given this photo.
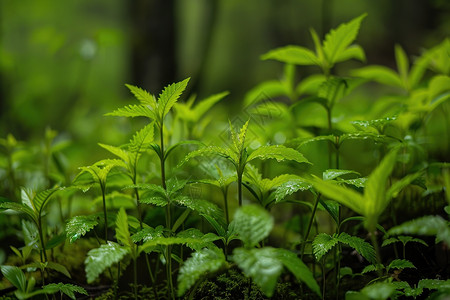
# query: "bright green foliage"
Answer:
x=252 y=224
x=261 y=265
x=79 y=226
x=122 y=231
x=67 y=289
x=277 y=152
x=331 y=174
x=428 y=225
x=335 y=48
x=100 y=170
x=99 y=259
x=289 y=187
x=147 y=234
x=201 y=263
x=15 y=276
x=150 y=107
x=193 y=114
x=322 y=244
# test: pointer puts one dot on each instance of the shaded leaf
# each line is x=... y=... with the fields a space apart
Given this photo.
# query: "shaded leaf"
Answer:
x=99 y=259
x=400 y=264
x=252 y=224
x=322 y=244
x=79 y=226
x=292 y=55
x=277 y=152
x=67 y=289
x=365 y=249
x=15 y=276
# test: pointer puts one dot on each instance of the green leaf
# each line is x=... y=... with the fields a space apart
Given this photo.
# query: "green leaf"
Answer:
x=378 y=291
x=408 y=239
x=372 y=268
x=133 y=111
x=310 y=84
x=203 y=207
x=15 y=276
x=119 y=152
x=101 y=258
x=277 y=152
x=400 y=264
x=427 y=225
x=156 y=200
x=141 y=139
x=298 y=268
x=79 y=226
x=201 y=240
x=379 y=74
x=59 y=268
x=148 y=234
x=252 y=224
x=169 y=96
x=393 y=191
x=322 y=244
x=434 y=284
x=289 y=187
x=337 y=40
x=365 y=249
x=201 y=263
x=331 y=174
x=41 y=199
x=375 y=190
x=293 y=55
x=352 y=52
x=20 y=208
x=389 y=241
x=122 y=231
x=201 y=108
x=211 y=150
x=402 y=64
x=55 y=241
x=67 y=289
x=264 y=91
x=143 y=96
x=262 y=265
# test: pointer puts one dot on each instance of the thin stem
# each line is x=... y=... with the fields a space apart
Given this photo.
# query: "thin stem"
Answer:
x=239 y=183
x=152 y=278
x=138 y=204
x=103 y=187
x=311 y=220
x=135 y=278
x=374 y=241
x=323 y=281
x=41 y=237
x=225 y=200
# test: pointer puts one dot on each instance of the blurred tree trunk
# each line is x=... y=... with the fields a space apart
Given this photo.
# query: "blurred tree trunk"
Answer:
x=153 y=43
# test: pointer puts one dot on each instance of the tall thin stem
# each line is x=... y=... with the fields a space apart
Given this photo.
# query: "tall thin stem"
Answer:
x=374 y=241
x=311 y=220
x=239 y=183
x=41 y=237
x=225 y=200
x=103 y=187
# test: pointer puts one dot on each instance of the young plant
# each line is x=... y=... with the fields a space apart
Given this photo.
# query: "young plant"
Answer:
x=237 y=154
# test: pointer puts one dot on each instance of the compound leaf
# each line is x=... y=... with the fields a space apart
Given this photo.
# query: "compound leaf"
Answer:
x=101 y=258
x=365 y=249
x=277 y=152
x=322 y=244
x=169 y=96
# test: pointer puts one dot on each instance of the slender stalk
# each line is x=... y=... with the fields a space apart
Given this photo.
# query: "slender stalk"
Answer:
x=374 y=241
x=323 y=280
x=135 y=278
x=152 y=278
x=170 y=289
x=41 y=237
x=225 y=200
x=138 y=204
x=239 y=183
x=311 y=220
x=103 y=187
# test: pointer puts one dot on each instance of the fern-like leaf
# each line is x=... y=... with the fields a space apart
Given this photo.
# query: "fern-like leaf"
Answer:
x=169 y=96
x=201 y=263
x=133 y=111
x=365 y=249
x=400 y=264
x=322 y=244
x=143 y=96
x=79 y=226
x=65 y=288
x=101 y=258
x=277 y=152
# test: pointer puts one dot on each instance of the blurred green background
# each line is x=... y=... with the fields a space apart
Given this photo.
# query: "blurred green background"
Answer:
x=64 y=64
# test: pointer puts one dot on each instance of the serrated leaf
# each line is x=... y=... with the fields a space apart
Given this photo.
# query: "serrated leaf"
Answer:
x=365 y=249
x=122 y=231
x=289 y=187
x=211 y=150
x=15 y=276
x=427 y=225
x=143 y=96
x=331 y=174
x=261 y=265
x=298 y=268
x=201 y=108
x=389 y=241
x=155 y=200
x=203 y=207
x=252 y=224
x=400 y=264
x=133 y=111
x=119 y=152
x=269 y=184
x=79 y=226
x=372 y=268
x=148 y=234
x=202 y=240
x=434 y=284
x=322 y=244
x=99 y=259
x=67 y=289
x=337 y=40
x=352 y=52
x=169 y=96
x=277 y=152
x=293 y=55
x=199 y=264
x=41 y=199
x=408 y=239
x=141 y=139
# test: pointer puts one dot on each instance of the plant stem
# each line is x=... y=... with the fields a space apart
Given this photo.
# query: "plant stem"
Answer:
x=41 y=237
x=103 y=187
x=152 y=278
x=311 y=220
x=138 y=204
x=374 y=241
x=225 y=200
x=239 y=183
x=135 y=278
